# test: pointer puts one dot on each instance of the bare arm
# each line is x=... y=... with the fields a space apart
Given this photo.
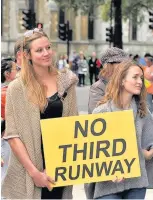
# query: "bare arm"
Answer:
x=22 y=155
x=40 y=178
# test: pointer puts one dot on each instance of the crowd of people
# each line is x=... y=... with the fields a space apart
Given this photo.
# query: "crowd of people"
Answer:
x=81 y=66
x=35 y=87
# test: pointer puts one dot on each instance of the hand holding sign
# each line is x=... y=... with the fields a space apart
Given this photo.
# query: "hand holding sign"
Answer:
x=118 y=180
x=42 y=180
x=148 y=154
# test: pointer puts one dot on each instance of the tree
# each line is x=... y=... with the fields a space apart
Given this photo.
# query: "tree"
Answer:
x=84 y=5
x=123 y=9
x=135 y=8
x=130 y=8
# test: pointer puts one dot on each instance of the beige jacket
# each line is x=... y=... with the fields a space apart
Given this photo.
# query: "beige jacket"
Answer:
x=23 y=121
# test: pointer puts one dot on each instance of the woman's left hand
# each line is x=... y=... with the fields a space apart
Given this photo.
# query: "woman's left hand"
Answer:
x=148 y=154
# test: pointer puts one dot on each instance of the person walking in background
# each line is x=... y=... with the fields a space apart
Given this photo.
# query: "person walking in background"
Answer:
x=74 y=62
x=8 y=74
x=126 y=90
x=66 y=60
x=61 y=63
x=110 y=60
x=93 y=68
x=40 y=92
x=82 y=68
x=148 y=73
x=143 y=60
x=136 y=58
x=148 y=59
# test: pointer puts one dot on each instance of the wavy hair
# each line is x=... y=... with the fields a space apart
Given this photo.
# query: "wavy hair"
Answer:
x=114 y=89
x=36 y=91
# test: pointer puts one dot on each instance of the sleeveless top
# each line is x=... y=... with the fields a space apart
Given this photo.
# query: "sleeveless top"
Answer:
x=54 y=109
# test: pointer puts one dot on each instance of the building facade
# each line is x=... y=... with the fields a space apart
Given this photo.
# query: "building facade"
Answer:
x=136 y=40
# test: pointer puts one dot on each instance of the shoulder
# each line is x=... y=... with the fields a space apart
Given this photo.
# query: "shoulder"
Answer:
x=98 y=85
x=15 y=85
x=67 y=78
x=101 y=108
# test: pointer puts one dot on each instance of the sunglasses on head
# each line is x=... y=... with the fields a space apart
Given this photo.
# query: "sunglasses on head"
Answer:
x=29 y=33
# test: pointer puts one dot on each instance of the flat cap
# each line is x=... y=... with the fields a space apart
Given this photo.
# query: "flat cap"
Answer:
x=113 y=55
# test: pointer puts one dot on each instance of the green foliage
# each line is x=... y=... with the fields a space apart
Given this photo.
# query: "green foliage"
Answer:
x=105 y=10
x=131 y=9
x=84 y=5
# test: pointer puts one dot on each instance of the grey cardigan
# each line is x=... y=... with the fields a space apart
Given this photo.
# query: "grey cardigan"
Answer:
x=144 y=132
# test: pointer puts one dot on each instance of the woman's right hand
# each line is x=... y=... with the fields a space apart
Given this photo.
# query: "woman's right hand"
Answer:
x=118 y=180
x=41 y=179
x=148 y=154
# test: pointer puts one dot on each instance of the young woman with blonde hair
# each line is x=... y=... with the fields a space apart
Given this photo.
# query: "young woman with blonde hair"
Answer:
x=126 y=90
x=40 y=92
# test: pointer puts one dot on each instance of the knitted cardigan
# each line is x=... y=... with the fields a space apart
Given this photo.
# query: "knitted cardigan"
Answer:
x=144 y=133
x=23 y=121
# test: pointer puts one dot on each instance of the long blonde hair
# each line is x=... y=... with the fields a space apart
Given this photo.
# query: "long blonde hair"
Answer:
x=114 y=89
x=36 y=91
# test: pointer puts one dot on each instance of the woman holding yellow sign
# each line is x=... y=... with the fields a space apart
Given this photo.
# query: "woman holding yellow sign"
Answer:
x=126 y=90
x=40 y=92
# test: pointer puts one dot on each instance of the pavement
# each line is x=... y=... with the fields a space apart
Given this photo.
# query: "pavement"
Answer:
x=78 y=193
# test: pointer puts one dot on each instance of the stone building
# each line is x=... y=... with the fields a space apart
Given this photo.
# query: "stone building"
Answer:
x=135 y=40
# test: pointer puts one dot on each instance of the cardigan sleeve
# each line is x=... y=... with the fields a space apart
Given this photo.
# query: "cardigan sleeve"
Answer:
x=147 y=132
x=11 y=130
x=73 y=110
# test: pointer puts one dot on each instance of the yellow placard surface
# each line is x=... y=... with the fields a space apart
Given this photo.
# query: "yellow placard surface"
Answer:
x=90 y=148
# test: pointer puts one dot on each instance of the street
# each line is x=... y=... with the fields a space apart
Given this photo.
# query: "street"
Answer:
x=82 y=99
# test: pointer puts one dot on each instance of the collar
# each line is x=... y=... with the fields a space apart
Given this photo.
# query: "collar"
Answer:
x=133 y=107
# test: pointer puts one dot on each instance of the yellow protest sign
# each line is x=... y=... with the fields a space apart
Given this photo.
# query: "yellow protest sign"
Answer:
x=90 y=148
